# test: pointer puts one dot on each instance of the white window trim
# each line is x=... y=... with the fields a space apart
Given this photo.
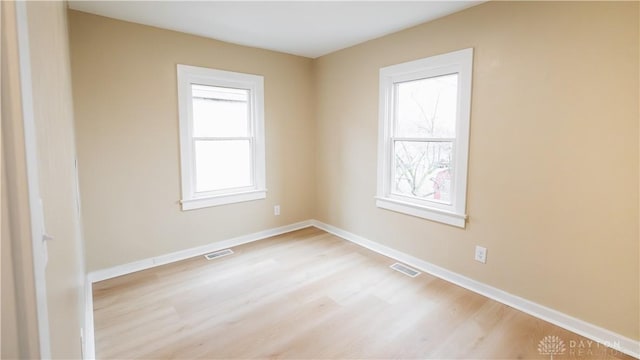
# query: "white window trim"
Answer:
x=460 y=62
x=188 y=75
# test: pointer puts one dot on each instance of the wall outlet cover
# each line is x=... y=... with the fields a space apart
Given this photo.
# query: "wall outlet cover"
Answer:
x=481 y=254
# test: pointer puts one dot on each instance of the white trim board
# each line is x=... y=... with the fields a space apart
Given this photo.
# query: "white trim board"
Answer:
x=38 y=246
x=626 y=345
x=593 y=332
x=89 y=334
x=144 y=264
x=139 y=265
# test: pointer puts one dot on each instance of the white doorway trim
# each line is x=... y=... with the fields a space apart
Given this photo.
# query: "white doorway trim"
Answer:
x=35 y=203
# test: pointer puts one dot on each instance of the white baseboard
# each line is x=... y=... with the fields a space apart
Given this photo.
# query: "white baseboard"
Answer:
x=139 y=265
x=89 y=339
x=104 y=274
x=603 y=336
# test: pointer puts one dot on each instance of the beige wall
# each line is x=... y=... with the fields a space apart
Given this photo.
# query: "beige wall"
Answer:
x=19 y=321
x=53 y=114
x=124 y=83
x=54 y=134
x=9 y=346
x=553 y=167
x=553 y=164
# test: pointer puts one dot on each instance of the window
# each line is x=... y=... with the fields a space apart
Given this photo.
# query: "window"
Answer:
x=221 y=137
x=424 y=137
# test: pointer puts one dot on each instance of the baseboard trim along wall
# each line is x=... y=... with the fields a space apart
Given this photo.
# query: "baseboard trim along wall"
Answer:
x=144 y=264
x=580 y=327
x=89 y=343
x=139 y=265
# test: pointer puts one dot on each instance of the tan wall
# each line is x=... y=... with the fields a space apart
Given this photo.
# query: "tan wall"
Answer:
x=19 y=338
x=553 y=165
x=124 y=83
x=53 y=115
x=553 y=170
x=9 y=345
x=53 y=120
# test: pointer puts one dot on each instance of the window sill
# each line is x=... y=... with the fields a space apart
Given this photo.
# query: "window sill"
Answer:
x=198 y=203
x=428 y=213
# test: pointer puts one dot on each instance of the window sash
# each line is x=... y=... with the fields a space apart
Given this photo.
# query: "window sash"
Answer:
x=252 y=168
x=392 y=191
x=395 y=88
x=250 y=137
x=249 y=121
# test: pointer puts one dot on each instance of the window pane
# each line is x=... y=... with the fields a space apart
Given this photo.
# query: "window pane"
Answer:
x=427 y=107
x=220 y=112
x=222 y=164
x=423 y=170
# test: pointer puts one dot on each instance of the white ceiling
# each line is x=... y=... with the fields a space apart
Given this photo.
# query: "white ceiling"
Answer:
x=306 y=28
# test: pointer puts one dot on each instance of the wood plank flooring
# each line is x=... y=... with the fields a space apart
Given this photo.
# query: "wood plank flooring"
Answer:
x=311 y=295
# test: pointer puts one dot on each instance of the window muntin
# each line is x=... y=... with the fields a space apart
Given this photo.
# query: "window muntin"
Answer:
x=424 y=127
x=221 y=136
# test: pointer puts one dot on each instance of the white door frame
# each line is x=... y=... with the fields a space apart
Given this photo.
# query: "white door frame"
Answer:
x=31 y=158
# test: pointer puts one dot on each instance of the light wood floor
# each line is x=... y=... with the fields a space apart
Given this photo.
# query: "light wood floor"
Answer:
x=309 y=294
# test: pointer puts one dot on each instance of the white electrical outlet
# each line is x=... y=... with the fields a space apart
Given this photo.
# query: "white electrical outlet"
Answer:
x=276 y=210
x=481 y=254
